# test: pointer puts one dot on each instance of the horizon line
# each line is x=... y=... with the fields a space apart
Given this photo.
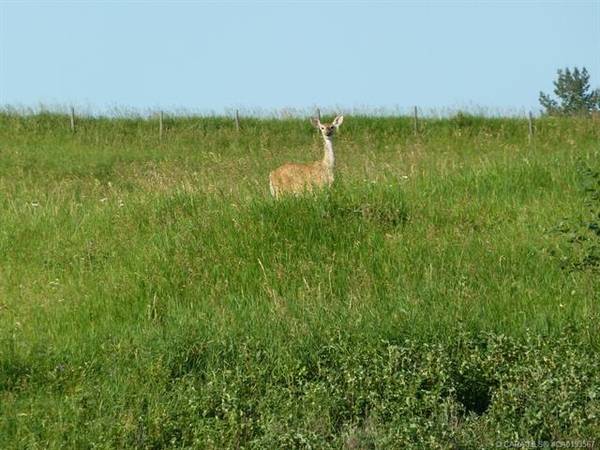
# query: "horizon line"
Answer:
x=123 y=111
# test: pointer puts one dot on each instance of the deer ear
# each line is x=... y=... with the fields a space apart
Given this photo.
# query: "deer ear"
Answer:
x=338 y=121
x=315 y=121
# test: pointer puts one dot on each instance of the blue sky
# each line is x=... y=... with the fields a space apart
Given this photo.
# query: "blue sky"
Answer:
x=267 y=55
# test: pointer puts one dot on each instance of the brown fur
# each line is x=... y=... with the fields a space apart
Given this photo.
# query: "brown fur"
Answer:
x=295 y=178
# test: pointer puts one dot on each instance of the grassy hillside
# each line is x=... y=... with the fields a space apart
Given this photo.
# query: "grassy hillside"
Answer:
x=444 y=294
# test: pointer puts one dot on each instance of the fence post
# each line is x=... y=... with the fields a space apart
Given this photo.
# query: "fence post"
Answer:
x=160 y=125
x=318 y=114
x=237 y=120
x=416 y=121
x=72 y=119
x=530 y=123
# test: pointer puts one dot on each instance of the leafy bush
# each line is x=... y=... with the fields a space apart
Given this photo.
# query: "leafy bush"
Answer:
x=470 y=391
x=583 y=233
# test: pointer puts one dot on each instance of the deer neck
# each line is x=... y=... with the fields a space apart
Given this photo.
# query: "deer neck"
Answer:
x=328 y=158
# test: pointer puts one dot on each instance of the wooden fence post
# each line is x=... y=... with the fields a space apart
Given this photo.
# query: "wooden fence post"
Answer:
x=318 y=114
x=530 y=122
x=237 y=120
x=72 y=119
x=160 y=125
x=416 y=121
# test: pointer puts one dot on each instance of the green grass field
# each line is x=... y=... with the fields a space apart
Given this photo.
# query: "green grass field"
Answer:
x=445 y=293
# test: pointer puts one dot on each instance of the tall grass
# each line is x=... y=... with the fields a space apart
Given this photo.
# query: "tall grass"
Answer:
x=153 y=295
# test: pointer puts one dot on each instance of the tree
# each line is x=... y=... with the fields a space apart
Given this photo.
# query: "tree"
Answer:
x=573 y=91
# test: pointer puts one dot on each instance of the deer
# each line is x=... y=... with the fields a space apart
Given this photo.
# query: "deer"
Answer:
x=296 y=178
